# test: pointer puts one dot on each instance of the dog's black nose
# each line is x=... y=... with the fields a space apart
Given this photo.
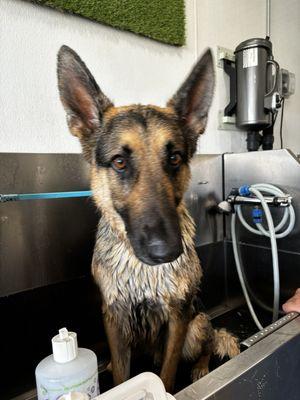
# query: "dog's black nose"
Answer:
x=161 y=252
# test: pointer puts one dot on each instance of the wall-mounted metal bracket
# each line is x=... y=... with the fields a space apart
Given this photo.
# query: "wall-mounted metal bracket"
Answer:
x=226 y=123
x=226 y=60
x=224 y=54
x=229 y=68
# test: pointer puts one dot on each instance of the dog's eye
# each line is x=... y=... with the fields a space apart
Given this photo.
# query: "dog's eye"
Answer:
x=175 y=159
x=119 y=163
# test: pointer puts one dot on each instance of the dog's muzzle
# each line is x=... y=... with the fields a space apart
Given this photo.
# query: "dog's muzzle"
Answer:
x=156 y=246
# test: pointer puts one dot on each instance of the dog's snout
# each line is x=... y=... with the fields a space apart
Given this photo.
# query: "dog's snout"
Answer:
x=155 y=237
x=160 y=241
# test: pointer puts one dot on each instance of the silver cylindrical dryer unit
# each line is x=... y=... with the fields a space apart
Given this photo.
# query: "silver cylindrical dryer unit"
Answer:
x=258 y=88
x=257 y=75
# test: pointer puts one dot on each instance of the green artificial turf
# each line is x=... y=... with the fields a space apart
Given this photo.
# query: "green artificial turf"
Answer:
x=162 y=20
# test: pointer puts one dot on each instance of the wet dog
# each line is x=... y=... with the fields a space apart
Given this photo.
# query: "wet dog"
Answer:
x=144 y=262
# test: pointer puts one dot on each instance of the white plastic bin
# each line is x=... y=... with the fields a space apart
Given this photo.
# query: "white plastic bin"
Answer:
x=146 y=386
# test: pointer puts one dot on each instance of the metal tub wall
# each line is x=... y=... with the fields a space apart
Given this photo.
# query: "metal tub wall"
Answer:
x=267 y=371
x=44 y=241
x=46 y=249
x=45 y=254
x=280 y=168
x=204 y=194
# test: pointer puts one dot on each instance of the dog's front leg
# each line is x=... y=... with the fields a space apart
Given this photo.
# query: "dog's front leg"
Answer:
x=120 y=351
x=177 y=328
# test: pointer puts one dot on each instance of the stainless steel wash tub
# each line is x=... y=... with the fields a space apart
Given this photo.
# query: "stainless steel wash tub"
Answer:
x=46 y=249
x=269 y=370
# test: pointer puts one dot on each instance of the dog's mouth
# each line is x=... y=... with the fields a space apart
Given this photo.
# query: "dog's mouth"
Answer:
x=157 y=251
x=157 y=261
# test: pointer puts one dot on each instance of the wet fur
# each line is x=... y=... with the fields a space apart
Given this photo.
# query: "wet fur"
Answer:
x=152 y=305
x=138 y=298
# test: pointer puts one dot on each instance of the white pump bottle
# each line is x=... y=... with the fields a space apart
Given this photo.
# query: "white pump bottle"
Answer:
x=68 y=369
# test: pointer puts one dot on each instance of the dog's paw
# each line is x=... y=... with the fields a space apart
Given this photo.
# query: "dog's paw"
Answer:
x=199 y=372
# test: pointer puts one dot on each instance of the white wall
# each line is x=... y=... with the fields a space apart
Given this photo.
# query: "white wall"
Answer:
x=225 y=23
x=285 y=36
x=128 y=68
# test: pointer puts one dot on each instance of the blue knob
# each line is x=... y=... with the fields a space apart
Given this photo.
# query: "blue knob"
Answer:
x=257 y=215
x=244 y=190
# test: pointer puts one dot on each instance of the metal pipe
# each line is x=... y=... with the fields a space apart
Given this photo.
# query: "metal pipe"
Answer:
x=268 y=19
x=283 y=201
x=44 y=196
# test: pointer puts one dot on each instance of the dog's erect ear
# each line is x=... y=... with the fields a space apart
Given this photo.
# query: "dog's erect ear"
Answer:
x=192 y=101
x=81 y=96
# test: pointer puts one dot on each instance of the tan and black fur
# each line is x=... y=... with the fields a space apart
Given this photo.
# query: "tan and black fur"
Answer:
x=145 y=263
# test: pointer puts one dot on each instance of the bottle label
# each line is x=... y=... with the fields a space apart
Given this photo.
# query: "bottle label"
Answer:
x=52 y=390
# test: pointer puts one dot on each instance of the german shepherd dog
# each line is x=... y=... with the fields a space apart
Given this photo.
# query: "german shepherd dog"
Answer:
x=144 y=262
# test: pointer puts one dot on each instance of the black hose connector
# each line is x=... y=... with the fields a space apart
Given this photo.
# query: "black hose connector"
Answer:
x=254 y=140
x=267 y=141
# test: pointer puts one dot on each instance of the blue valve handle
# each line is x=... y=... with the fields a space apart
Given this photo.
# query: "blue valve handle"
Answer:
x=244 y=190
x=257 y=215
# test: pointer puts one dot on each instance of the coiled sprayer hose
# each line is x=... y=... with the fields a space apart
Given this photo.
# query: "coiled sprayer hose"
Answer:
x=272 y=232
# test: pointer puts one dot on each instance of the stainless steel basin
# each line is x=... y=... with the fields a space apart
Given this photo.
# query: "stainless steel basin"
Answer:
x=267 y=370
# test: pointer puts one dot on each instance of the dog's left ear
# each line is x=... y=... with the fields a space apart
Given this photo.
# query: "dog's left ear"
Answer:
x=192 y=101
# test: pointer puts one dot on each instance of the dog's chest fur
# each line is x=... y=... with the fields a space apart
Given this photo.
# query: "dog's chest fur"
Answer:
x=140 y=297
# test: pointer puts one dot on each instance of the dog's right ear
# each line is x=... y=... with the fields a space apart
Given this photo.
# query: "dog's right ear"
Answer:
x=81 y=97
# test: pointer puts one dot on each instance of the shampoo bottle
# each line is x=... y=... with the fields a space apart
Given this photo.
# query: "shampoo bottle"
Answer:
x=68 y=369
